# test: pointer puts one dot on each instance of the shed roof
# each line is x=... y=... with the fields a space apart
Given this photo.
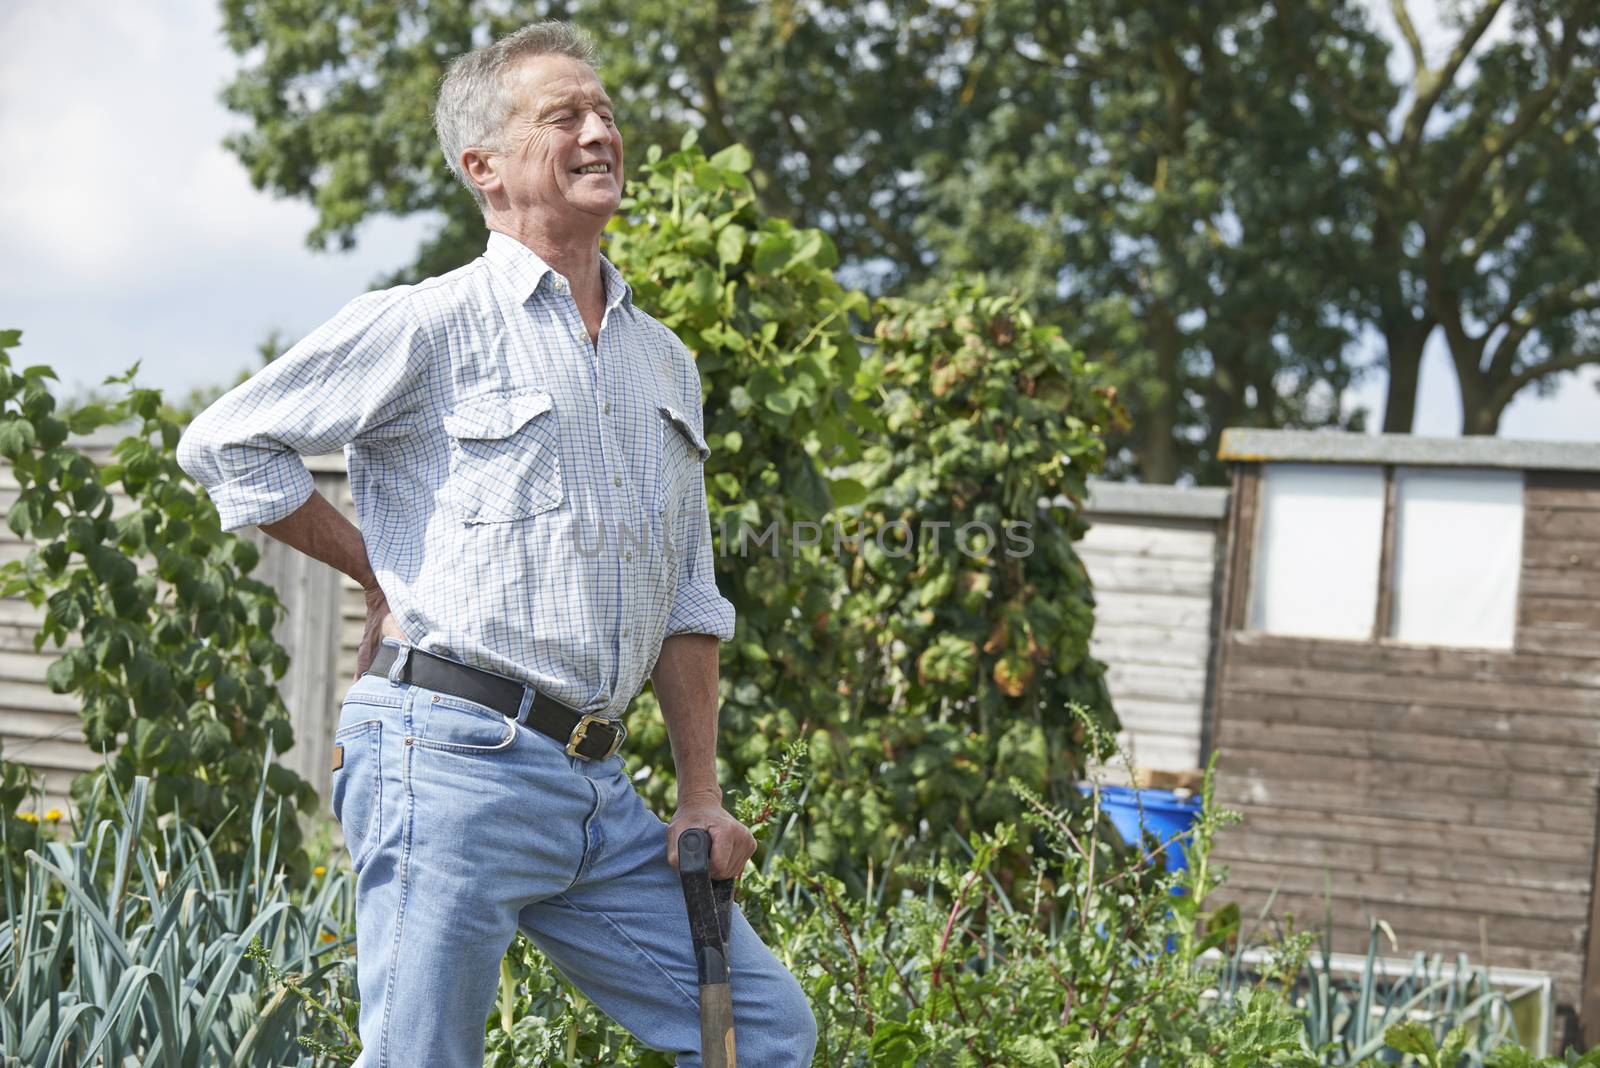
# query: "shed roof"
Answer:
x=1177 y=502
x=1341 y=447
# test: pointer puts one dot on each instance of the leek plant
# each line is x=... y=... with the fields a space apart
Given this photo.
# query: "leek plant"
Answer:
x=125 y=946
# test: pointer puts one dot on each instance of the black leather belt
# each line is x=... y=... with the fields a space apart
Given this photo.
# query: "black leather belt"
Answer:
x=584 y=735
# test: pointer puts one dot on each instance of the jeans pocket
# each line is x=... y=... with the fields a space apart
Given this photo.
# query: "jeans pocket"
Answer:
x=358 y=788
x=456 y=725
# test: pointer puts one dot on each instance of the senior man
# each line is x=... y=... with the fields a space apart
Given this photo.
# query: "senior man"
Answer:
x=525 y=448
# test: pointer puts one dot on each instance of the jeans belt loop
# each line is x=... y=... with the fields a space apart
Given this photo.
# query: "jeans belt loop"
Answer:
x=397 y=669
x=528 y=694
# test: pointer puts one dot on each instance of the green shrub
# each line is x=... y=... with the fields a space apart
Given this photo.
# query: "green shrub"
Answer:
x=21 y=826
x=973 y=629
x=176 y=666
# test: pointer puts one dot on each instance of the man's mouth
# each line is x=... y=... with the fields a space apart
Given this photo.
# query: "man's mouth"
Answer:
x=594 y=168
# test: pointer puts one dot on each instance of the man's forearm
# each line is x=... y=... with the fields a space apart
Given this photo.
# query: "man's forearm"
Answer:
x=321 y=531
x=685 y=681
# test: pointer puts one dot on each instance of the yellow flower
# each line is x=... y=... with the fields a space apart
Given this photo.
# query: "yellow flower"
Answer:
x=53 y=815
x=319 y=871
x=28 y=817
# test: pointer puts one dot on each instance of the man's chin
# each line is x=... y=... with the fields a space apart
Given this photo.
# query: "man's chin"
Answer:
x=598 y=205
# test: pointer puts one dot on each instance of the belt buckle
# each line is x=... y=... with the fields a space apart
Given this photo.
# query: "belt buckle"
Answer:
x=581 y=731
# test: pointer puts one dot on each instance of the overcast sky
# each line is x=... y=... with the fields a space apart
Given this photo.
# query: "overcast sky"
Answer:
x=130 y=233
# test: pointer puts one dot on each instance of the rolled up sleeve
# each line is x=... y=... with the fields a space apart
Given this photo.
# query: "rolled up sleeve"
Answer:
x=358 y=376
x=697 y=606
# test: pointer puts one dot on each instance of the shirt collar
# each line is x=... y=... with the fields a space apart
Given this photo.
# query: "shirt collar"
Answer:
x=523 y=269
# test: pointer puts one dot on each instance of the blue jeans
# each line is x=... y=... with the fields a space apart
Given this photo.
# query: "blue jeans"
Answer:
x=463 y=827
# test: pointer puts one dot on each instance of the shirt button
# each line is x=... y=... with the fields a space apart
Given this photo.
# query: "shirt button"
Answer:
x=627 y=556
x=616 y=480
x=606 y=408
x=625 y=632
x=561 y=285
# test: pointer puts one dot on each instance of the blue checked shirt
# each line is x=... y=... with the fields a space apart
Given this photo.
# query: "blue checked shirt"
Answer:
x=532 y=504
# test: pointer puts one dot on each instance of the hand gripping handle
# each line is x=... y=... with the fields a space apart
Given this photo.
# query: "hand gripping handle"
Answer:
x=710 y=904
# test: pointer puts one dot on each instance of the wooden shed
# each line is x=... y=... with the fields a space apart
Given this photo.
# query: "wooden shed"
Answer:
x=1407 y=699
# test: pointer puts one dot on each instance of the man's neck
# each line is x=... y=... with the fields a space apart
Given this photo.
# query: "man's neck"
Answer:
x=573 y=254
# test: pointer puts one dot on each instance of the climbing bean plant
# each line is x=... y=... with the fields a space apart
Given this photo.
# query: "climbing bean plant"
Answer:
x=921 y=672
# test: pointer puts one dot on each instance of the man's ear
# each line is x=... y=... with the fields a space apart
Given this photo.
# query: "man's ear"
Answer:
x=479 y=167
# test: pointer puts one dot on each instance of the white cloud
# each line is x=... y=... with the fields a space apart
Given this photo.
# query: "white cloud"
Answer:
x=131 y=233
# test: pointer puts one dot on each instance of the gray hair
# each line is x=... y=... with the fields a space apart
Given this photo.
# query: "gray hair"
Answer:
x=474 y=106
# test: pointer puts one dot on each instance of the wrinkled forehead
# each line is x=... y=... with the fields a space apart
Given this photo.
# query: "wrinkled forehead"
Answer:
x=545 y=81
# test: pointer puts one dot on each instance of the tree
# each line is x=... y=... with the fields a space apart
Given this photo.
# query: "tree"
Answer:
x=1477 y=177
x=1144 y=229
x=1161 y=169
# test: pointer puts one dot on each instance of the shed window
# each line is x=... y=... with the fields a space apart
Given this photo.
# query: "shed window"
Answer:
x=1441 y=570
x=1318 y=550
x=1458 y=549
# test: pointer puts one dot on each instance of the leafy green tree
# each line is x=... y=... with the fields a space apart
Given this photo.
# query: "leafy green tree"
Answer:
x=1107 y=163
x=1154 y=176
x=1476 y=177
x=338 y=93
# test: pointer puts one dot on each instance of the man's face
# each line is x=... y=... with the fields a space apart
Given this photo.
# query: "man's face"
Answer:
x=563 y=152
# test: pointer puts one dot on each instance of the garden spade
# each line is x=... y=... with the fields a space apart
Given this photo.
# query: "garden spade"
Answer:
x=710 y=904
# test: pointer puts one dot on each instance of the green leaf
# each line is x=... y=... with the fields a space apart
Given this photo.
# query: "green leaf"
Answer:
x=16 y=435
x=809 y=245
x=846 y=491
x=89 y=418
x=734 y=158
x=1411 y=1037
x=730 y=244
x=782 y=401
x=772 y=254
x=895 y=1045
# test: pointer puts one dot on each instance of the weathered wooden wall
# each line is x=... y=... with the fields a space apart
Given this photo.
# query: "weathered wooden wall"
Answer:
x=1151 y=553
x=1449 y=792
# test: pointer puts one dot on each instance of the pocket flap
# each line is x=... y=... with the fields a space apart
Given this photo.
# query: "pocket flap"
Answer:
x=686 y=428
x=495 y=415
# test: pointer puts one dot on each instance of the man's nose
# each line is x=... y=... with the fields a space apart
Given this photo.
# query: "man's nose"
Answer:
x=594 y=129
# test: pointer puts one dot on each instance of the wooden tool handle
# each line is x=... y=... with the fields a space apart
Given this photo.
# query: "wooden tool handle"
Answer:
x=709 y=905
x=716 y=1026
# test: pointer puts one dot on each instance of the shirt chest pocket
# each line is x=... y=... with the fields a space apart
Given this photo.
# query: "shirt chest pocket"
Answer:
x=505 y=457
x=683 y=450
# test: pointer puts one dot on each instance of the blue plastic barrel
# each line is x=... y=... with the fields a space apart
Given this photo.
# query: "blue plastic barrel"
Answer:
x=1166 y=815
